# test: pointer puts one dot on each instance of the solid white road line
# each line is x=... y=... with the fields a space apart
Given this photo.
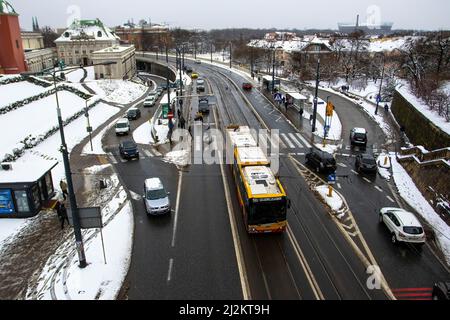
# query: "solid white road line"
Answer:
x=169 y=273
x=292 y=136
x=177 y=205
x=306 y=143
x=286 y=139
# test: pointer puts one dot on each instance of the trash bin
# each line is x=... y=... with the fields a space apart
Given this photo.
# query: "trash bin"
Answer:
x=102 y=184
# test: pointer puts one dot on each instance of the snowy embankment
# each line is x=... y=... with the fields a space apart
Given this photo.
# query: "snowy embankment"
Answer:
x=76 y=75
x=416 y=200
x=17 y=91
x=420 y=106
x=117 y=91
x=62 y=279
x=37 y=118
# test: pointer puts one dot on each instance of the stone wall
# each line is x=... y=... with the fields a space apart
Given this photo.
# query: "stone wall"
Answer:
x=154 y=67
x=418 y=128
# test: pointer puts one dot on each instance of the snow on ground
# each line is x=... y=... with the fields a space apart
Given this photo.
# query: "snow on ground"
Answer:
x=416 y=200
x=431 y=115
x=17 y=91
x=99 y=280
x=74 y=133
x=9 y=228
x=384 y=165
x=180 y=157
x=330 y=148
x=77 y=74
x=142 y=134
x=37 y=117
x=334 y=202
x=223 y=57
x=117 y=91
x=96 y=142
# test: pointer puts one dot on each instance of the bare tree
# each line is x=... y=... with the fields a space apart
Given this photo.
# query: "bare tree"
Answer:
x=49 y=37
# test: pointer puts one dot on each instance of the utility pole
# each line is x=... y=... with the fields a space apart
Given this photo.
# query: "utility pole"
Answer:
x=381 y=84
x=71 y=191
x=230 y=55
x=273 y=71
x=211 y=50
x=315 y=96
x=167 y=77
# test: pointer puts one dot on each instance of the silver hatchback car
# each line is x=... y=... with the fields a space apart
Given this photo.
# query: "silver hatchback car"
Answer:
x=156 y=199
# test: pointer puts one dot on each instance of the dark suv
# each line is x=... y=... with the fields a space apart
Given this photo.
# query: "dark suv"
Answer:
x=321 y=161
x=366 y=162
x=128 y=149
x=133 y=114
x=358 y=136
x=203 y=105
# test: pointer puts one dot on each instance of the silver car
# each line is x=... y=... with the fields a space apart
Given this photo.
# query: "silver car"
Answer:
x=156 y=199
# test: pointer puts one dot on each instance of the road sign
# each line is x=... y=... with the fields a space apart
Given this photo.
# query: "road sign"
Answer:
x=331 y=178
x=170 y=115
x=277 y=97
x=90 y=218
x=378 y=98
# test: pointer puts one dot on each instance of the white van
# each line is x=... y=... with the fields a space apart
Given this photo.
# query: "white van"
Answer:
x=156 y=198
x=122 y=126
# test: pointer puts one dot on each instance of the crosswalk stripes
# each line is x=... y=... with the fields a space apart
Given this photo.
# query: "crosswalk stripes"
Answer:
x=303 y=140
x=292 y=136
x=286 y=140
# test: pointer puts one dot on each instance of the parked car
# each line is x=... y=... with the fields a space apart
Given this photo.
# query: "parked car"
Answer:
x=133 y=114
x=366 y=162
x=128 y=149
x=322 y=161
x=203 y=105
x=358 y=136
x=403 y=226
x=198 y=61
x=441 y=291
x=247 y=86
x=156 y=199
x=122 y=126
x=149 y=101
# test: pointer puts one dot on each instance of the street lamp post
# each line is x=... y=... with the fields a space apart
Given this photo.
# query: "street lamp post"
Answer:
x=230 y=55
x=316 y=96
x=88 y=127
x=273 y=71
x=381 y=84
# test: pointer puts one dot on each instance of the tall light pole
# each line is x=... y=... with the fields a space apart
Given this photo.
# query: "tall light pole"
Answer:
x=316 y=95
x=88 y=127
x=230 y=55
x=273 y=70
x=210 y=46
x=381 y=84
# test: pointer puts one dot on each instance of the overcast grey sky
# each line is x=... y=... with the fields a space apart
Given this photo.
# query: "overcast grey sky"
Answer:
x=204 y=14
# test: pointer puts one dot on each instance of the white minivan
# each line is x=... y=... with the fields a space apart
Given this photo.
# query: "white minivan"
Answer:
x=122 y=126
x=156 y=199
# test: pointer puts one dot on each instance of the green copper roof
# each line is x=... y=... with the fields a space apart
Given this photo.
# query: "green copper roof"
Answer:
x=5 y=7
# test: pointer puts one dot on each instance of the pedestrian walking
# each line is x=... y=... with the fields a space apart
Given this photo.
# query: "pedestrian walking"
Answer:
x=61 y=211
x=63 y=186
x=386 y=108
x=182 y=122
x=286 y=105
x=179 y=113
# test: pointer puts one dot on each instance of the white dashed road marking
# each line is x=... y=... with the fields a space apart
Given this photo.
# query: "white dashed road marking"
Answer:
x=378 y=188
x=390 y=199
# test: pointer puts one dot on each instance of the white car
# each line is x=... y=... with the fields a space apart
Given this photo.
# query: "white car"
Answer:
x=156 y=198
x=149 y=101
x=122 y=126
x=403 y=226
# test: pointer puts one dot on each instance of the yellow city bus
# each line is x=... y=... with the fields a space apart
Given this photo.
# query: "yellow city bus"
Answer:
x=262 y=198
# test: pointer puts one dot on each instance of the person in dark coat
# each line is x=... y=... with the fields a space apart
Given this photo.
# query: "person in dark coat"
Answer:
x=63 y=186
x=182 y=122
x=61 y=211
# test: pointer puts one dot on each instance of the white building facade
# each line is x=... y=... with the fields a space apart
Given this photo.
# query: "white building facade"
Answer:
x=125 y=62
x=76 y=45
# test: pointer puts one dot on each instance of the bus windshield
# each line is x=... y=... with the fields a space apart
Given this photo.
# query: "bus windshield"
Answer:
x=267 y=212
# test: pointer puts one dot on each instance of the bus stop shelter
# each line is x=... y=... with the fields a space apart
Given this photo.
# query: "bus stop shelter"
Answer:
x=25 y=187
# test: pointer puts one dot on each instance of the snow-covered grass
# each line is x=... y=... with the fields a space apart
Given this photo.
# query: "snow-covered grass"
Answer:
x=117 y=91
x=417 y=103
x=36 y=118
x=334 y=202
x=416 y=200
x=9 y=228
x=96 y=142
x=142 y=134
x=17 y=91
x=74 y=133
x=77 y=74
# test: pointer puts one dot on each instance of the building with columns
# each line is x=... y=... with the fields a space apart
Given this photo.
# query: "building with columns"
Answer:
x=76 y=44
x=125 y=67
x=12 y=58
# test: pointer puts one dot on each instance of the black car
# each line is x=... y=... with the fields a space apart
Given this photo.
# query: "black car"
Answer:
x=322 y=161
x=128 y=149
x=366 y=162
x=188 y=69
x=358 y=136
x=133 y=114
x=203 y=105
x=441 y=291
